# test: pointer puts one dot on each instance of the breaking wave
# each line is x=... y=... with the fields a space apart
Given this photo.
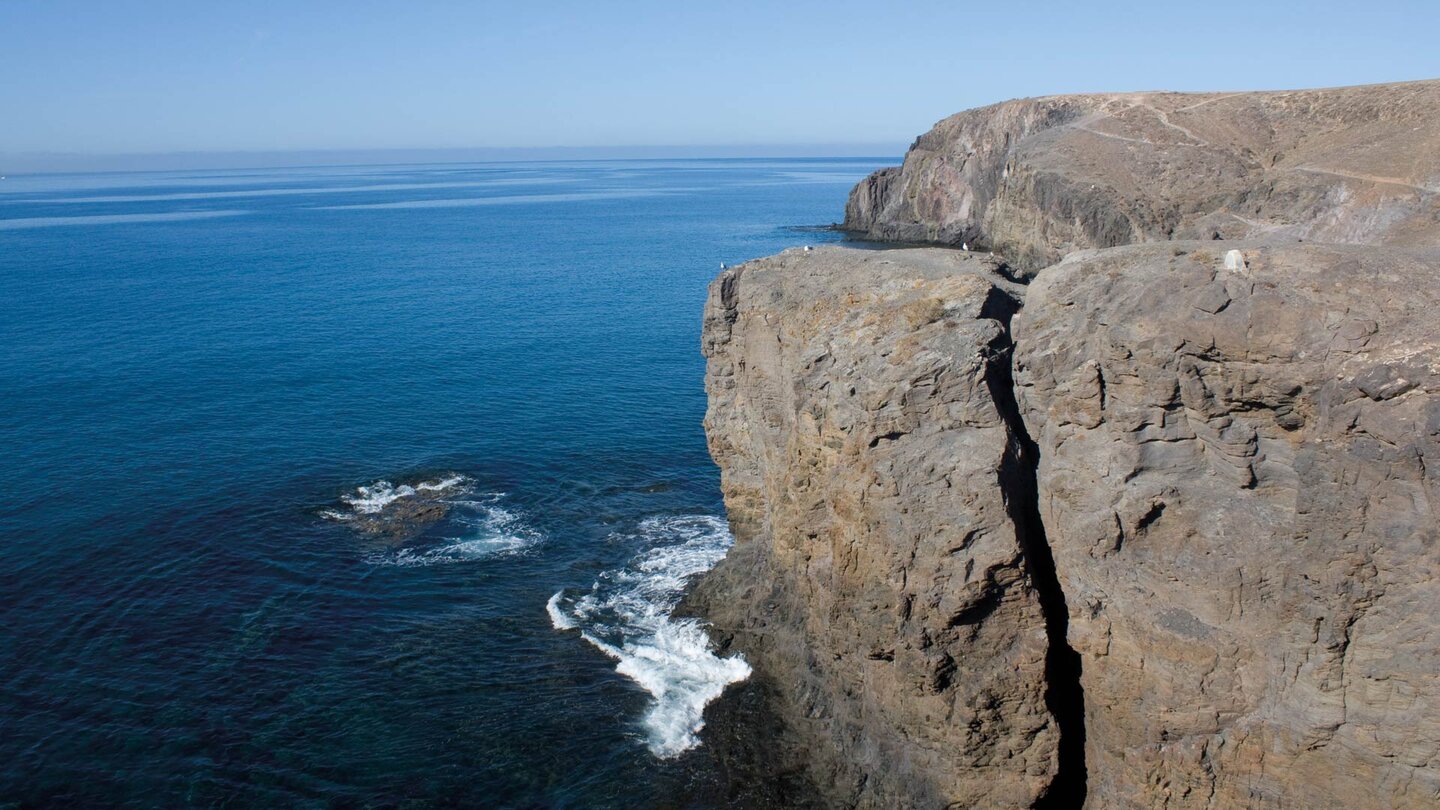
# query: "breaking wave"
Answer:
x=627 y=615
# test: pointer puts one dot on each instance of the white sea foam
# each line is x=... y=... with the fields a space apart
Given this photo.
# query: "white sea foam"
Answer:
x=626 y=615
x=442 y=484
x=373 y=498
x=558 y=619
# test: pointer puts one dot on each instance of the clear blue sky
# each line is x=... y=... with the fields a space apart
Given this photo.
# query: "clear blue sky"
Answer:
x=118 y=76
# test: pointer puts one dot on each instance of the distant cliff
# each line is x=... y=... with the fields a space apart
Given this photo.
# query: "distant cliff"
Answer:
x=1158 y=528
x=1037 y=178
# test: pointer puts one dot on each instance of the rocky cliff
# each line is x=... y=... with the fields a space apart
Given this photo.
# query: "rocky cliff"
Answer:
x=862 y=415
x=1156 y=529
x=1037 y=178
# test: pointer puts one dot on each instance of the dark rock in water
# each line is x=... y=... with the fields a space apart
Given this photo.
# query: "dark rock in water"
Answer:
x=402 y=519
x=748 y=739
x=398 y=512
x=1034 y=179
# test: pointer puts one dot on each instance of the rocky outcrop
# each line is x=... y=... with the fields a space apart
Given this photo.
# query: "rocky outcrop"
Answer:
x=1037 y=178
x=1239 y=472
x=1157 y=529
x=880 y=581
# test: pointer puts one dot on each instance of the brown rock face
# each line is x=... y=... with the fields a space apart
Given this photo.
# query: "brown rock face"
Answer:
x=1168 y=536
x=1238 y=473
x=879 y=583
x=1037 y=178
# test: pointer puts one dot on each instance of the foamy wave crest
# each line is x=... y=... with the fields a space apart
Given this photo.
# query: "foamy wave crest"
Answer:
x=626 y=614
x=490 y=532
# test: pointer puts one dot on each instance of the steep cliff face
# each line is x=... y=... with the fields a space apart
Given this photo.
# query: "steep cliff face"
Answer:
x=880 y=580
x=1238 y=472
x=1235 y=512
x=1036 y=178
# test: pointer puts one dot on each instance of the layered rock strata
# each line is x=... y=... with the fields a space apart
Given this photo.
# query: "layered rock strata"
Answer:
x=1236 y=478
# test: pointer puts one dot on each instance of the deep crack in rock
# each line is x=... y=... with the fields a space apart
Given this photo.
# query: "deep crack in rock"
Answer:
x=1065 y=695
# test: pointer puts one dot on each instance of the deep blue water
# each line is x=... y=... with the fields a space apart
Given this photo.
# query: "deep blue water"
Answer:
x=199 y=369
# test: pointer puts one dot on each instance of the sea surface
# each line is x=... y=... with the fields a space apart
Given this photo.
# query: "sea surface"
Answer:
x=368 y=486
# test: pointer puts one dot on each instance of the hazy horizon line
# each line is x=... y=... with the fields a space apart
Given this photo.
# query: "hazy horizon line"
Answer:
x=18 y=163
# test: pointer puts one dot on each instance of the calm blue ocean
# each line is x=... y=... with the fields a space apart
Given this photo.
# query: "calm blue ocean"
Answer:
x=221 y=395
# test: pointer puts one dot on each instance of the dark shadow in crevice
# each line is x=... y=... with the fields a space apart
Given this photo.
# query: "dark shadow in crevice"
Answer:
x=1064 y=694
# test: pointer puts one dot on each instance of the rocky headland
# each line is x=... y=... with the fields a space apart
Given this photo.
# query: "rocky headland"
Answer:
x=1037 y=178
x=1137 y=510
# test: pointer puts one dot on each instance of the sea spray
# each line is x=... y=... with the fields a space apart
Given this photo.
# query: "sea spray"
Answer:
x=627 y=615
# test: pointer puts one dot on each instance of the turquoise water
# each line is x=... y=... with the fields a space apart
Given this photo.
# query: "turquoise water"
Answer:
x=200 y=371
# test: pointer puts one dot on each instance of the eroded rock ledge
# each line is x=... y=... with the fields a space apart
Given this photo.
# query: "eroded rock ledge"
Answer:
x=1158 y=530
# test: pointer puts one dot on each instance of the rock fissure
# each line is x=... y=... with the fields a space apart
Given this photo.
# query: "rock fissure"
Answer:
x=1064 y=693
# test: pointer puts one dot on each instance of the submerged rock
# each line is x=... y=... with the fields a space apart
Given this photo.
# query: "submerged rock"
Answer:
x=398 y=512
